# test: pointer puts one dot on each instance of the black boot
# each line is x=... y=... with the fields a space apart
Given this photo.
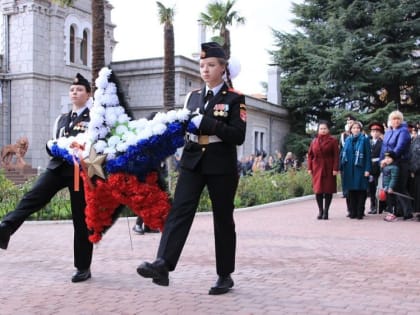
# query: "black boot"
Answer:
x=5 y=233
x=319 y=217
x=157 y=270
x=325 y=215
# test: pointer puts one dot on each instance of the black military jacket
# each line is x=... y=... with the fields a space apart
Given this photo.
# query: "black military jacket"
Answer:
x=63 y=128
x=224 y=117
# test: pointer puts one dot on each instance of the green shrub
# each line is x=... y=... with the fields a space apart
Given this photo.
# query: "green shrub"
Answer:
x=260 y=188
x=10 y=194
x=266 y=187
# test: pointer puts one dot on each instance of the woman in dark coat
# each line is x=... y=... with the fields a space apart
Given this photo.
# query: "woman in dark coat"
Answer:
x=323 y=167
x=355 y=164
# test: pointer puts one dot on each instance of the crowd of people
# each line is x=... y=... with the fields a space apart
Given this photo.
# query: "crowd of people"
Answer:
x=381 y=165
x=259 y=162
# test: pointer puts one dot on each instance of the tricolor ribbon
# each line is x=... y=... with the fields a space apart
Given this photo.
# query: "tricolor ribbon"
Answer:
x=78 y=149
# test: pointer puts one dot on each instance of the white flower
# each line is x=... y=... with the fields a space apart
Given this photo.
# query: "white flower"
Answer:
x=96 y=111
x=81 y=138
x=105 y=71
x=123 y=118
x=95 y=121
x=171 y=116
x=110 y=100
x=102 y=80
x=119 y=110
x=145 y=134
x=98 y=97
x=130 y=138
x=64 y=142
x=110 y=156
x=160 y=118
x=103 y=132
x=110 y=119
x=121 y=129
x=93 y=134
x=111 y=88
x=183 y=114
x=113 y=141
x=158 y=129
x=122 y=147
x=137 y=124
x=100 y=146
x=111 y=153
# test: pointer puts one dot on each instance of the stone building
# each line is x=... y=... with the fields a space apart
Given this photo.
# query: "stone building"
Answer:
x=43 y=45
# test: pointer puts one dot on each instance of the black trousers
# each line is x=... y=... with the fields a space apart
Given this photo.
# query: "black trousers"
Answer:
x=222 y=189
x=356 y=202
x=404 y=205
x=43 y=190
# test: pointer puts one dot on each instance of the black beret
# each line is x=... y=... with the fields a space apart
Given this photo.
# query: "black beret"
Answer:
x=81 y=80
x=212 y=49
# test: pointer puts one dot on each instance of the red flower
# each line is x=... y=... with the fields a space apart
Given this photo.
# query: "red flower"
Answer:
x=145 y=199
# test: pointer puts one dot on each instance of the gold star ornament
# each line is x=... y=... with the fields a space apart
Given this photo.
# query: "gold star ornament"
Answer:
x=94 y=163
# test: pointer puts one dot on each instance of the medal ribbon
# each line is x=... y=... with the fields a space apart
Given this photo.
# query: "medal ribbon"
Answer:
x=79 y=149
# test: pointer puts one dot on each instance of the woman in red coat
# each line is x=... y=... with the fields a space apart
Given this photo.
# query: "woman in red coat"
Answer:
x=323 y=167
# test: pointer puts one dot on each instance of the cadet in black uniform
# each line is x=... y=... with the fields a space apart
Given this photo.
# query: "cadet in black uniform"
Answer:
x=376 y=132
x=58 y=175
x=209 y=159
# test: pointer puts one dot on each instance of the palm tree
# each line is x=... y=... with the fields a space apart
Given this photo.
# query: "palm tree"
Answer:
x=98 y=38
x=166 y=16
x=218 y=17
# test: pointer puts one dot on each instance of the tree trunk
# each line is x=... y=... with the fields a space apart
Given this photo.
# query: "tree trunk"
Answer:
x=98 y=39
x=169 y=68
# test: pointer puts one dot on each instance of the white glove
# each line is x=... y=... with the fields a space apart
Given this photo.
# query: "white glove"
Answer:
x=196 y=120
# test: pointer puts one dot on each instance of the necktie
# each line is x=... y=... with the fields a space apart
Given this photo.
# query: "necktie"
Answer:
x=72 y=118
x=209 y=96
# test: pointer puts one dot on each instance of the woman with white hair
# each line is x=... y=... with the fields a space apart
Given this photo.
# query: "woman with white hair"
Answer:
x=397 y=139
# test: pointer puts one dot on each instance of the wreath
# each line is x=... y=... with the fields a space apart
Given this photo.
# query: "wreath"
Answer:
x=119 y=158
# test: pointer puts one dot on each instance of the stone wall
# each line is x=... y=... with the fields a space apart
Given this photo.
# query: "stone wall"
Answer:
x=37 y=69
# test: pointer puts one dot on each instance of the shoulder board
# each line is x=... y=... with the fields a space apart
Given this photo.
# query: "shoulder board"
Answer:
x=234 y=91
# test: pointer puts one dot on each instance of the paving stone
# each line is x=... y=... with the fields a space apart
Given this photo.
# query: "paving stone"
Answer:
x=288 y=262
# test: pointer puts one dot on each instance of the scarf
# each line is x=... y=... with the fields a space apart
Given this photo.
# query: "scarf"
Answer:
x=355 y=146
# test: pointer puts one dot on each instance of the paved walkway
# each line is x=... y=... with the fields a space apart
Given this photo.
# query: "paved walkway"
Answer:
x=287 y=263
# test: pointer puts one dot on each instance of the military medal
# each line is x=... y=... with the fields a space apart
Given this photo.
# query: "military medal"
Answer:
x=221 y=110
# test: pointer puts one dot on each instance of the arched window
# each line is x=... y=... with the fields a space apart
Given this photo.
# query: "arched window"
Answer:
x=72 y=43
x=84 y=48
